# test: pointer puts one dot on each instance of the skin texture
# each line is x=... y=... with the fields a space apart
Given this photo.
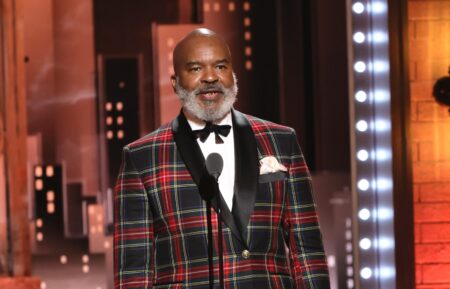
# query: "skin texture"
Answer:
x=202 y=64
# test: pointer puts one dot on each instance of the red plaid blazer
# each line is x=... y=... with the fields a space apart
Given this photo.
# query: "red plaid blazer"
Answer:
x=160 y=222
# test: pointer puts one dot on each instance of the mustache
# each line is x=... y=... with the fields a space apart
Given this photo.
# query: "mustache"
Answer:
x=210 y=87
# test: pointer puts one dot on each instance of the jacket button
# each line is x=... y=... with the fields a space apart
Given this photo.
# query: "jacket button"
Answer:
x=245 y=254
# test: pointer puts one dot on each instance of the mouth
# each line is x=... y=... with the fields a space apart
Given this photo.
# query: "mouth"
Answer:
x=209 y=94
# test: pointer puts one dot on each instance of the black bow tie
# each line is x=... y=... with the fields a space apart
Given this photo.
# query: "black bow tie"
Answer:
x=216 y=129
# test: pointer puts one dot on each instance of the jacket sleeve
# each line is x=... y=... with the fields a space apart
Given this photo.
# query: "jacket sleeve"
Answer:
x=133 y=229
x=308 y=261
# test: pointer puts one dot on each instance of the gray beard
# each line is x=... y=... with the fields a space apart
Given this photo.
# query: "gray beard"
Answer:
x=189 y=101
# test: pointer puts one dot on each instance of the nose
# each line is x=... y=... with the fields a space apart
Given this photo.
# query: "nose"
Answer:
x=209 y=76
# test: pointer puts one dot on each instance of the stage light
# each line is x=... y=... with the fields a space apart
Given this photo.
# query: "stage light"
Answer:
x=108 y=106
x=206 y=7
x=248 y=51
x=247 y=21
x=119 y=120
x=360 y=66
x=387 y=272
x=109 y=134
x=350 y=271
x=363 y=155
x=38 y=171
x=216 y=6
x=364 y=214
x=385 y=243
x=170 y=42
x=247 y=35
x=49 y=171
x=382 y=96
x=85 y=269
x=246 y=6
x=378 y=7
x=379 y=37
x=120 y=134
x=231 y=6
x=331 y=260
x=50 y=196
x=50 y=208
x=38 y=185
x=365 y=243
x=358 y=8
x=349 y=247
x=248 y=65
x=382 y=154
x=361 y=96
x=384 y=214
x=362 y=125
x=119 y=106
x=39 y=236
x=109 y=120
x=359 y=37
x=349 y=259
x=63 y=259
x=85 y=258
x=380 y=66
x=348 y=235
x=382 y=125
x=363 y=185
x=366 y=273
x=384 y=184
x=39 y=223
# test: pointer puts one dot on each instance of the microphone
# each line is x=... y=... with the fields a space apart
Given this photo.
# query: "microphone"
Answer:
x=214 y=165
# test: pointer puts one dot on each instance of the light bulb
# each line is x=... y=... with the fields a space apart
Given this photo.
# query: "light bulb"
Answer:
x=363 y=185
x=358 y=8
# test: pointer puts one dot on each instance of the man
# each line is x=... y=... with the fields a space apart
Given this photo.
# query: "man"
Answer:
x=271 y=237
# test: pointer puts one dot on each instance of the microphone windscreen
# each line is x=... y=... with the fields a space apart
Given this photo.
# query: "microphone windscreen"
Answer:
x=214 y=164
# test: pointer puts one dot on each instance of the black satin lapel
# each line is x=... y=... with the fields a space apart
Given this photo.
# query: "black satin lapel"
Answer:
x=188 y=147
x=228 y=218
x=246 y=177
x=195 y=163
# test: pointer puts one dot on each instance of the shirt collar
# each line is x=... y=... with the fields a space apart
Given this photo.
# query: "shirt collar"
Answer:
x=200 y=125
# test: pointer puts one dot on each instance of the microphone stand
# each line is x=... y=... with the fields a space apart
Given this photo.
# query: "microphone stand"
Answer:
x=219 y=233
x=210 y=245
x=214 y=166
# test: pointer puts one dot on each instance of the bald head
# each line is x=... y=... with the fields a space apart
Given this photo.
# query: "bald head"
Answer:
x=197 y=40
x=204 y=78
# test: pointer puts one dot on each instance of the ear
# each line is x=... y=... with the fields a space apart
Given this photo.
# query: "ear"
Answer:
x=173 y=80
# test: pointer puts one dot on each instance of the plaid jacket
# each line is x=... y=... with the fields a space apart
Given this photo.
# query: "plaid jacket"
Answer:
x=160 y=237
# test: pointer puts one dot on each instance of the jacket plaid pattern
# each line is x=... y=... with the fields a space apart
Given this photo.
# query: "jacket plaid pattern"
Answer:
x=160 y=221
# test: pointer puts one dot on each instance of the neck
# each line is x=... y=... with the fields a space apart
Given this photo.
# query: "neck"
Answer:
x=197 y=120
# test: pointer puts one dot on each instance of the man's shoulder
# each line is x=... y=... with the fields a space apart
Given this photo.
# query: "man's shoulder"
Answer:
x=161 y=134
x=260 y=125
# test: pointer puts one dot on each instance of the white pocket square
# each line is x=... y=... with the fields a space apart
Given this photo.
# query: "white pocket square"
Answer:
x=270 y=165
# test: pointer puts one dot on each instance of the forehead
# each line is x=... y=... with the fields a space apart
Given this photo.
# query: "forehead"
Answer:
x=198 y=49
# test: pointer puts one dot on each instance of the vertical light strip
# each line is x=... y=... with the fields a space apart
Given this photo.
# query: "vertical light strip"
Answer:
x=371 y=144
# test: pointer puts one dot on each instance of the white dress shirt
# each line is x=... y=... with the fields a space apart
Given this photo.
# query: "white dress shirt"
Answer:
x=226 y=151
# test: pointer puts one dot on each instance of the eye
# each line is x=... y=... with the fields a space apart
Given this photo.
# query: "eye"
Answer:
x=221 y=66
x=195 y=68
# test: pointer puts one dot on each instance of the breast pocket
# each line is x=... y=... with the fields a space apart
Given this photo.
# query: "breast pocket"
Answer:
x=272 y=177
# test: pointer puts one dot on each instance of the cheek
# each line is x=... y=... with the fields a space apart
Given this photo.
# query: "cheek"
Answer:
x=227 y=80
x=189 y=82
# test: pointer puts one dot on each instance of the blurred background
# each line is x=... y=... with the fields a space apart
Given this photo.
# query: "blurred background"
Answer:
x=82 y=78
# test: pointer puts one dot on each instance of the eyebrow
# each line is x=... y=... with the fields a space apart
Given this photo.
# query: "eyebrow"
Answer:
x=191 y=63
